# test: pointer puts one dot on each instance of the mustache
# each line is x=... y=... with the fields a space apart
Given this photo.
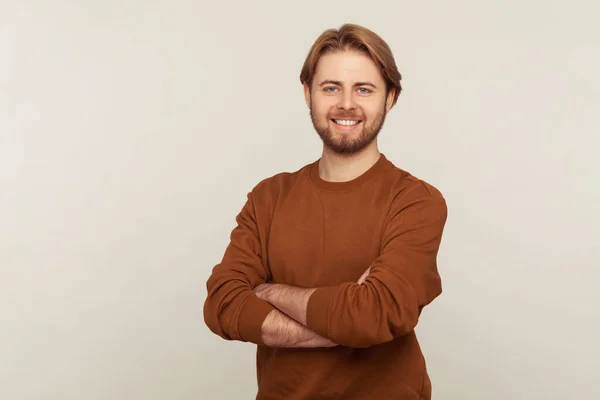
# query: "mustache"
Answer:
x=346 y=116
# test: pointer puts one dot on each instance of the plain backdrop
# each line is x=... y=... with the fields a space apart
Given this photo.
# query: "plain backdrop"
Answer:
x=131 y=132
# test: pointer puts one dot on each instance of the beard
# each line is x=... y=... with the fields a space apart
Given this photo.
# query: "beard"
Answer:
x=349 y=143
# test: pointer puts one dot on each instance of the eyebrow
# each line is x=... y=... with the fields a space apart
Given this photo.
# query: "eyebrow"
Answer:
x=338 y=83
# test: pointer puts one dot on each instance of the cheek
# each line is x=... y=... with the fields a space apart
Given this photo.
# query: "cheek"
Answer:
x=373 y=110
x=321 y=109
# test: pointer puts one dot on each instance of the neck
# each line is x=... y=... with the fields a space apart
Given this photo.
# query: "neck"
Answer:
x=335 y=167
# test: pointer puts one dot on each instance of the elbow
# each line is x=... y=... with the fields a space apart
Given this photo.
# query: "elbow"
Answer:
x=368 y=338
x=371 y=331
x=361 y=337
x=211 y=319
x=217 y=310
x=364 y=338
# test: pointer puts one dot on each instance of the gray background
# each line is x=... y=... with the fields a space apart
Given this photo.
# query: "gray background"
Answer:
x=131 y=131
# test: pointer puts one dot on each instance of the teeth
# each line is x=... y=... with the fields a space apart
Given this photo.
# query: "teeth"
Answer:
x=345 y=122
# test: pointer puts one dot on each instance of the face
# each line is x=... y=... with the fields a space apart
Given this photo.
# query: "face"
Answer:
x=347 y=101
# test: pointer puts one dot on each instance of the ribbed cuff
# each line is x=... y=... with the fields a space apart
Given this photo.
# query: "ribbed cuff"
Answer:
x=317 y=310
x=251 y=319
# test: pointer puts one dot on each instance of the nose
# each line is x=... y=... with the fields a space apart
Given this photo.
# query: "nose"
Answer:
x=347 y=101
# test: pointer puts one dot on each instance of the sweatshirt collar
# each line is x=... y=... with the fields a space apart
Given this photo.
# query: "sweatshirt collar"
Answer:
x=381 y=164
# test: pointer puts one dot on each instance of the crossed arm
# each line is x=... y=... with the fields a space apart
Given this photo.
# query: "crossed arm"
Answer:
x=402 y=280
x=279 y=330
x=233 y=311
x=286 y=325
x=385 y=305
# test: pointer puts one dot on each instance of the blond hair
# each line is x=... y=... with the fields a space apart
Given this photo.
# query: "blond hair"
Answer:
x=357 y=38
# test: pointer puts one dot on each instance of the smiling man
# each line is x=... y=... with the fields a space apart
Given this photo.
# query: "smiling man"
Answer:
x=330 y=266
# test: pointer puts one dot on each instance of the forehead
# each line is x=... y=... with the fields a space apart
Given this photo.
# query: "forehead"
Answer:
x=347 y=66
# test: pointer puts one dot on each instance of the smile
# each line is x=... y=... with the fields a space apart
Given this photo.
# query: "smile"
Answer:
x=345 y=122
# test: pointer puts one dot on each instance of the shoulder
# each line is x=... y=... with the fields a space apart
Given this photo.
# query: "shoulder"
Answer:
x=407 y=189
x=270 y=188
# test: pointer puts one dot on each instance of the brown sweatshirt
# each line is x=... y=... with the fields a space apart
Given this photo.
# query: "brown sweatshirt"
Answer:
x=301 y=230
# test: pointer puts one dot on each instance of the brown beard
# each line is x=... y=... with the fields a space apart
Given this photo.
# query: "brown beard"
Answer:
x=346 y=145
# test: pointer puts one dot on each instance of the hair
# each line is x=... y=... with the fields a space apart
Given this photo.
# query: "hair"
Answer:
x=355 y=38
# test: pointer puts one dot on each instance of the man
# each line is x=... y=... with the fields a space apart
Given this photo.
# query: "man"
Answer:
x=329 y=267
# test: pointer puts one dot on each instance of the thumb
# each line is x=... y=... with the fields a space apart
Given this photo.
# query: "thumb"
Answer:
x=364 y=276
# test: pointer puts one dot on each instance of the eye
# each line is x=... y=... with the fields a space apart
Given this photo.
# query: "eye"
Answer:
x=330 y=89
x=364 y=90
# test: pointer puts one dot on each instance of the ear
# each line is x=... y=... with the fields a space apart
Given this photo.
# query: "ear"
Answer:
x=390 y=100
x=307 y=94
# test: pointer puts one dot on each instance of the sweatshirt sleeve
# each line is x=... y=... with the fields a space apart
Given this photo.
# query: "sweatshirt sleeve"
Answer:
x=403 y=279
x=231 y=309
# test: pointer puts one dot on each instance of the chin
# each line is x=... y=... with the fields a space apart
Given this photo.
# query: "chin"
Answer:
x=347 y=136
